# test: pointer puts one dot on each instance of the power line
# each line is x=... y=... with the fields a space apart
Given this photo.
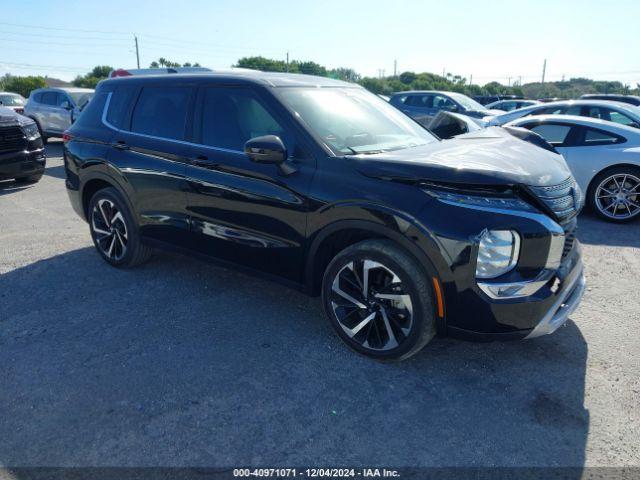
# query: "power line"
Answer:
x=65 y=29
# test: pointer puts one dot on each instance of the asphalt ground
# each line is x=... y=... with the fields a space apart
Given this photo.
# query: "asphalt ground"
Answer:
x=181 y=363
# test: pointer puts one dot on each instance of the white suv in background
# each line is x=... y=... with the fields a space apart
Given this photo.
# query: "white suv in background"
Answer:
x=53 y=109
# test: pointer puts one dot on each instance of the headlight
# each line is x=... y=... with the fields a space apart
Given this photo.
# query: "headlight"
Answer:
x=31 y=131
x=466 y=200
x=498 y=253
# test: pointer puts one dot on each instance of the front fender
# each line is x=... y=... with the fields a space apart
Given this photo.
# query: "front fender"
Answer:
x=383 y=221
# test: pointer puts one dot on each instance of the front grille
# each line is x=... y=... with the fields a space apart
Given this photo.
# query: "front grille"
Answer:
x=564 y=199
x=12 y=139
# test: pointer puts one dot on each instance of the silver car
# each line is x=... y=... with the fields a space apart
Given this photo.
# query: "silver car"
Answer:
x=53 y=109
x=13 y=101
x=621 y=113
x=604 y=158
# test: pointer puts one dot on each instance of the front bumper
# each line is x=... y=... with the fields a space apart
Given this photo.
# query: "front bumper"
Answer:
x=564 y=306
x=22 y=164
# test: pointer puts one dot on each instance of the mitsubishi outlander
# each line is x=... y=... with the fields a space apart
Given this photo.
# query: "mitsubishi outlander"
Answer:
x=329 y=189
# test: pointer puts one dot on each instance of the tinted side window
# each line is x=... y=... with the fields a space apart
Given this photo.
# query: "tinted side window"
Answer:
x=119 y=104
x=231 y=116
x=92 y=114
x=420 y=101
x=443 y=103
x=161 y=112
x=552 y=133
x=604 y=113
x=594 y=137
x=49 y=98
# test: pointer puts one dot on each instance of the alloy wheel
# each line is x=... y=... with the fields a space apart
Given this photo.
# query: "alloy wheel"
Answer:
x=109 y=229
x=618 y=196
x=371 y=305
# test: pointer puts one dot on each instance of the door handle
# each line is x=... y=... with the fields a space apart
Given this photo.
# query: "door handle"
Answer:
x=121 y=145
x=202 y=161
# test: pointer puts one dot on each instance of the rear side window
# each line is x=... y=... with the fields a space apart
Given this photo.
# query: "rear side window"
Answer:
x=161 y=112
x=49 y=98
x=231 y=116
x=92 y=114
x=552 y=133
x=420 y=101
x=119 y=104
x=594 y=137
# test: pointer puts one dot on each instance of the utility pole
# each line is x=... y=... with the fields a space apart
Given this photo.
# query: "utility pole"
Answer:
x=137 y=51
x=509 y=81
x=287 y=62
x=471 y=79
x=395 y=68
x=544 y=69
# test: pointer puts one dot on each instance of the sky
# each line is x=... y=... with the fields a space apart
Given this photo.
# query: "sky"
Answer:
x=505 y=41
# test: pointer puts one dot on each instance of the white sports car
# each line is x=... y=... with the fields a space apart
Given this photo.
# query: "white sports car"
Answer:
x=604 y=158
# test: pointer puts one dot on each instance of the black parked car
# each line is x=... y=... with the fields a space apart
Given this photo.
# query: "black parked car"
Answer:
x=630 y=99
x=22 y=155
x=325 y=186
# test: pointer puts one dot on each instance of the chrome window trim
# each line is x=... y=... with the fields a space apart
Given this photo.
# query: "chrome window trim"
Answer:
x=181 y=142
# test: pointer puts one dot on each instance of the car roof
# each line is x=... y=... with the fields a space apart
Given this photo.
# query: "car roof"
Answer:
x=268 y=79
x=577 y=120
x=65 y=89
x=587 y=101
x=411 y=92
x=10 y=93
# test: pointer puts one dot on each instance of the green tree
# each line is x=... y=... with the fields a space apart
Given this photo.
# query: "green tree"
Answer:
x=23 y=85
x=91 y=79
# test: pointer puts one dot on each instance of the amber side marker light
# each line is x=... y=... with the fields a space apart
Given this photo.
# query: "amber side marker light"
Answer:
x=439 y=302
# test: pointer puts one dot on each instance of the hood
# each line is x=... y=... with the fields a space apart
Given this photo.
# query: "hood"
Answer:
x=490 y=156
x=10 y=118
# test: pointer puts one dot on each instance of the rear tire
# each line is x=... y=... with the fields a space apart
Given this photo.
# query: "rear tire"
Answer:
x=114 y=231
x=379 y=301
x=614 y=195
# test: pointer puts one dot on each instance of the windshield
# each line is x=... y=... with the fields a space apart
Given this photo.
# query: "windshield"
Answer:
x=352 y=120
x=466 y=102
x=12 y=100
x=80 y=98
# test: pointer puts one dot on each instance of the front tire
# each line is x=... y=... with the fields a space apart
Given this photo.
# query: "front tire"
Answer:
x=114 y=232
x=379 y=301
x=614 y=195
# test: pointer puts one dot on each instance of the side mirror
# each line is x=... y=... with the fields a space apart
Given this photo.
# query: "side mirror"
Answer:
x=66 y=105
x=266 y=149
x=634 y=125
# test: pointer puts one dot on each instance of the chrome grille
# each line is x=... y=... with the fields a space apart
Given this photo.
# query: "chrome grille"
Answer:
x=564 y=199
x=12 y=139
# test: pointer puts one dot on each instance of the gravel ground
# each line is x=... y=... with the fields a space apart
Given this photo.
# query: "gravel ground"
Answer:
x=182 y=363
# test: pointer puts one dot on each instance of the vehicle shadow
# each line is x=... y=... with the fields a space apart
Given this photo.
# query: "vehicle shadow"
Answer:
x=594 y=231
x=180 y=363
x=56 y=172
x=11 y=186
x=53 y=148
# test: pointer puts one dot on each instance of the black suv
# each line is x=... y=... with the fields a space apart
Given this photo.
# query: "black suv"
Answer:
x=330 y=189
x=22 y=155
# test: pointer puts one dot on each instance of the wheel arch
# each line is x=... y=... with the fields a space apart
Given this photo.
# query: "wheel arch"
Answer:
x=341 y=234
x=97 y=180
